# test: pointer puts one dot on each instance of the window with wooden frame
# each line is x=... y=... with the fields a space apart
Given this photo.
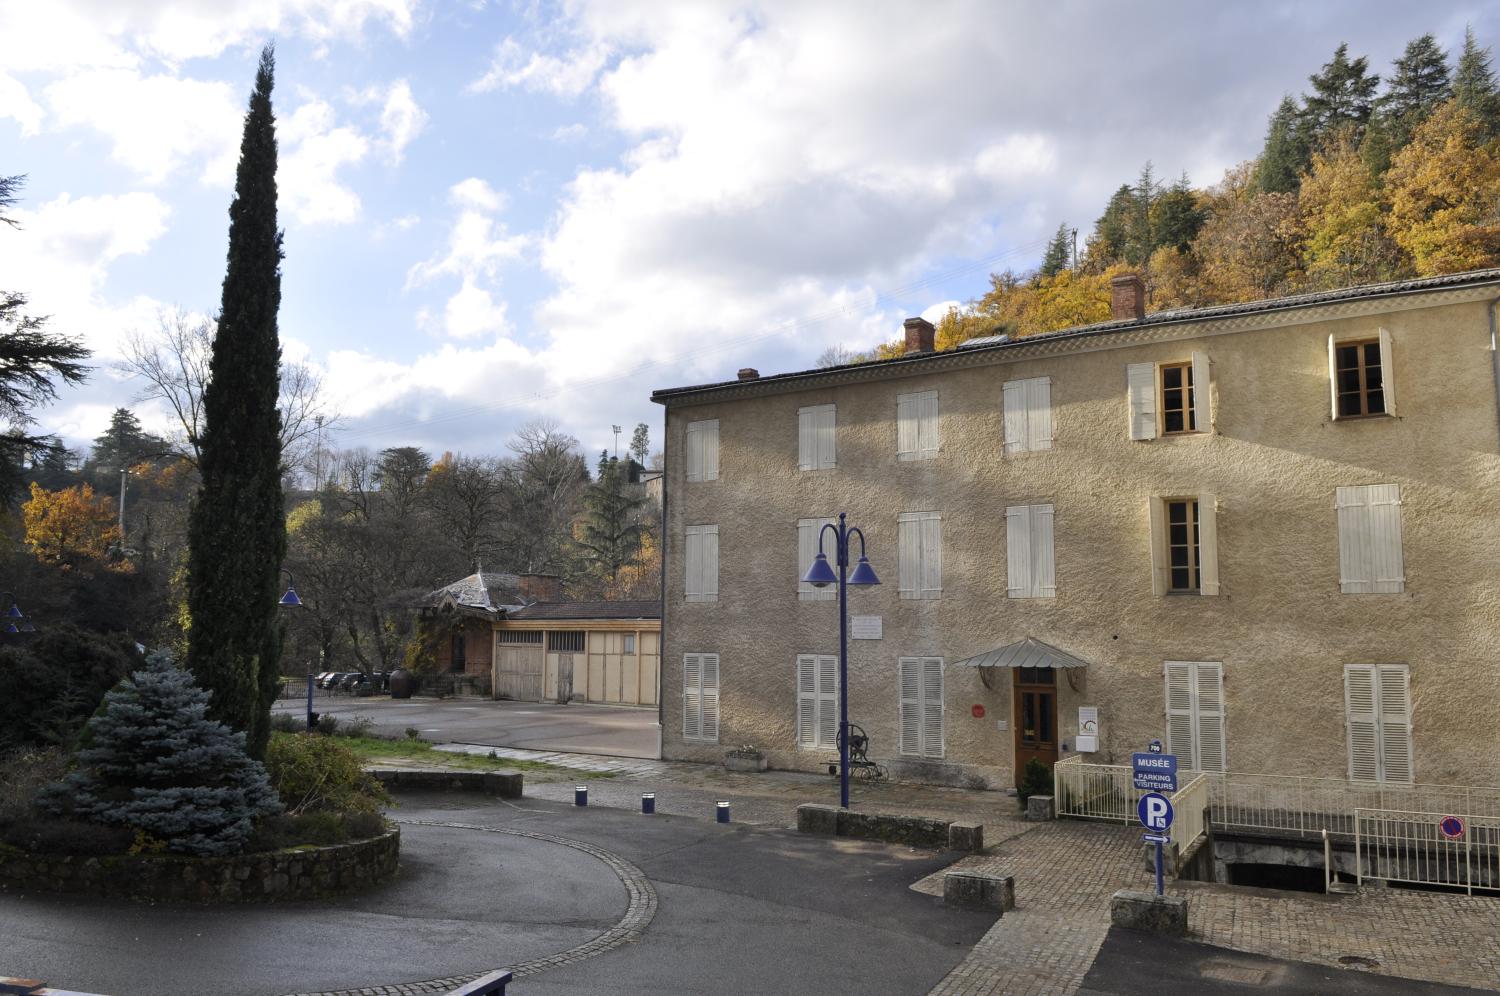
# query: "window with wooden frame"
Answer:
x=1184 y=545
x=628 y=648
x=566 y=641
x=1168 y=399
x=526 y=637
x=1177 y=398
x=1360 y=376
x=456 y=653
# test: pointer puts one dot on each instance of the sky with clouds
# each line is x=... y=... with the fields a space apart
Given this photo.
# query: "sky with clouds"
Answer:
x=501 y=211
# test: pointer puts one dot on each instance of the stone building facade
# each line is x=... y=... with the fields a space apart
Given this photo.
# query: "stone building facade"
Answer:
x=1268 y=534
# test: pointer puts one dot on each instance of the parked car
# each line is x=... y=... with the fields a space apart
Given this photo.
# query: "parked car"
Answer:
x=350 y=680
x=334 y=679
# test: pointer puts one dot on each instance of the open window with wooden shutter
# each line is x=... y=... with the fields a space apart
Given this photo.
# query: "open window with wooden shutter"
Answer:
x=1028 y=415
x=917 y=426
x=1195 y=714
x=1140 y=385
x=919 y=543
x=1377 y=709
x=808 y=531
x=1184 y=545
x=702 y=556
x=1030 y=570
x=815 y=439
x=1361 y=376
x=1369 y=523
x=921 y=685
x=1169 y=399
x=700 y=697
x=703 y=450
x=817 y=701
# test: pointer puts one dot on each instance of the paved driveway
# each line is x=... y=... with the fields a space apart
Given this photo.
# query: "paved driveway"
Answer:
x=615 y=731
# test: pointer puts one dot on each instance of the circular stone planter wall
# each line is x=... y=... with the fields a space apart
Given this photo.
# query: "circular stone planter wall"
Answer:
x=296 y=873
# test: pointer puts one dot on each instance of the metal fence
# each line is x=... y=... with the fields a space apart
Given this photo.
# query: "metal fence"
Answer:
x=1107 y=792
x=1397 y=846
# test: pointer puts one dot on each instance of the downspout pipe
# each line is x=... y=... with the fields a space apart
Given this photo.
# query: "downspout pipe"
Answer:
x=1495 y=358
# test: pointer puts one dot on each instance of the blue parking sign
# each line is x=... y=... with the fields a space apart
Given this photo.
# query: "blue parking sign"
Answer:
x=1154 y=772
x=1155 y=811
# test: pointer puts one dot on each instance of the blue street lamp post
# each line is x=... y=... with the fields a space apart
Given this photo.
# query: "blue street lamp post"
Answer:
x=14 y=620
x=820 y=575
x=291 y=601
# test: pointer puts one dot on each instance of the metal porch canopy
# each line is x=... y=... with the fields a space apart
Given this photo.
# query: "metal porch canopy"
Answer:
x=1030 y=652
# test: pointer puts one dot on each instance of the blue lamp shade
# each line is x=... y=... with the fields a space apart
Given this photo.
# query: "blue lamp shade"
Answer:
x=863 y=573
x=820 y=575
x=14 y=611
x=12 y=628
x=290 y=598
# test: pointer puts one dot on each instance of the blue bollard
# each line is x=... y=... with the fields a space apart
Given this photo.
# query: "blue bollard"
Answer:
x=580 y=795
x=721 y=813
x=648 y=803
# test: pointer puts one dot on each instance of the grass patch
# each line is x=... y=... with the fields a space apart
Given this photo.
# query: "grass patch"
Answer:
x=372 y=749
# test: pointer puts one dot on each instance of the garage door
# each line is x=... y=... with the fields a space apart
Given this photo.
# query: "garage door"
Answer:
x=518 y=673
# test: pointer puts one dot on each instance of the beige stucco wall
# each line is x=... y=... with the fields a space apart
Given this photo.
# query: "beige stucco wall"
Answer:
x=1281 y=627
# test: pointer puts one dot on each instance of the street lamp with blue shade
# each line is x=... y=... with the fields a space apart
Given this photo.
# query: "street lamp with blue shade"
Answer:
x=14 y=611
x=291 y=601
x=821 y=575
x=290 y=598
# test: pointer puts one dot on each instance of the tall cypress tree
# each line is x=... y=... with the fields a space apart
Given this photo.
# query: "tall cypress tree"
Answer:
x=237 y=531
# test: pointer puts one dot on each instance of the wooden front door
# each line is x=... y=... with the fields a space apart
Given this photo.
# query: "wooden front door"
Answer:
x=1036 y=716
x=518 y=674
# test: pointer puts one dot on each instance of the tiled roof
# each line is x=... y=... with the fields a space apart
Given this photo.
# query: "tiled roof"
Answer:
x=1178 y=315
x=481 y=591
x=588 y=610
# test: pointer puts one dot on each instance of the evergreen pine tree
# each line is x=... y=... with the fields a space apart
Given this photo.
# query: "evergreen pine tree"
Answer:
x=1381 y=142
x=1113 y=229
x=1343 y=96
x=1286 y=154
x=1419 y=86
x=124 y=443
x=237 y=530
x=156 y=764
x=1474 y=84
x=611 y=527
x=1059 y=252
x=1176 y=216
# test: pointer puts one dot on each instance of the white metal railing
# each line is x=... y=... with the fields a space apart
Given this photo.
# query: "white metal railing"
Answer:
x=1189 y=803
x=1397 y=846
x=1107 y=792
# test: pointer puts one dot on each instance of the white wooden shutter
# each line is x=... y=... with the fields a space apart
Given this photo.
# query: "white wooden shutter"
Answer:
x=710 y=697
x=932 y=707
x=1039 y=413
x=1208 y=717
x=692 y=696
x=1208 y=544
x=1333 y=378
x=815 y=438
x=920 y=542
x=694 y=452
x=1363 y=721
x=1140 y=381
x=1395 y=724
x=1018 y=551
x=906 y=426
x=1202 y=399
x=927 y=425
x=1159 y=562
x=808 y=531
x=1387 y=372
x=911 y=705
x=1369 y=522
x=1180 y=711
x=703 y=450
x=1043 y=566
x=1016 y=418
x=932 y=555
x=828 y=701
x=817 y=701
x=702 y=563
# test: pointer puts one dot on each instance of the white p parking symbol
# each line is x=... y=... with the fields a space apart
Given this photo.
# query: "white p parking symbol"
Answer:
x=1155 y=811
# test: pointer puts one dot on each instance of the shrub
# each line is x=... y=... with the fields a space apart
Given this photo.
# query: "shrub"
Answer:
x=54 y=683
x=320 y=828
x=359 y=726
x=320 y=774
x=285 y=722
x=1036 y=779
x=328 y=725
x=61 y=836
x=156 y=764
x=23 y=775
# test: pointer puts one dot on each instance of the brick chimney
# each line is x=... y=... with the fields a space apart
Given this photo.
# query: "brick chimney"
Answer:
x=540 y=587
x=1127 y=298
x=919 y=336
x=749 y=373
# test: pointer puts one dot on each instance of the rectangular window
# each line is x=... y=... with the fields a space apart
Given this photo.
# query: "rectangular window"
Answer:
x=456 y=653
x=1184 y=545
x=1195 y=714
x=1028 y=415
x=920 y=539
x=1370 y=559
x=1168 y=398
x=815 y=449
x=921 y=680
x=808 y=531
x=700 y=697
x=1030 y=572
x=817 y=701
x=629 y=645
x=526 y=637
x=702 y=550
x=1377 y=707
x=1360 y=376
x=703 y=450
x=566 y=641
x=917 y=426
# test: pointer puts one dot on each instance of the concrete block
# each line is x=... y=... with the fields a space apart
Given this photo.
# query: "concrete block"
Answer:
x=1147 y=911
x=814 y=818
x=1040 y=808
x=913 y=831
x=966 y=837
x=980 y=891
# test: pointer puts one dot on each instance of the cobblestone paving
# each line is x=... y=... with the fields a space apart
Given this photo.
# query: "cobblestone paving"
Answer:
x=639 y=912
x=573 y=762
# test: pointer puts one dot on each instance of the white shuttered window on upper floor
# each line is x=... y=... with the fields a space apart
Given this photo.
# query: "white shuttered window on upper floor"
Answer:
x=1195 y=714
x=920 y=542
x=700 y=697
x=815 y=449
x=1030 y=570
x=1370 y=560
x=1169 y=398
x=808 y=531
x=921 y=681
x=1028 y=415
x=1377 y=708
x=1185 y=545
x=703 y=450
x=817 y=700
x=917 y=426
x=702 y=549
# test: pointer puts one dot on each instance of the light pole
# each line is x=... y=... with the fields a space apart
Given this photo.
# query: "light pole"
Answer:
x=15 y=621
x=820 y=575
x=291 y=601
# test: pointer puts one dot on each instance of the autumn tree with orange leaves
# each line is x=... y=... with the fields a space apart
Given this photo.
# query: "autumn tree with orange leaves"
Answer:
x=67 y=526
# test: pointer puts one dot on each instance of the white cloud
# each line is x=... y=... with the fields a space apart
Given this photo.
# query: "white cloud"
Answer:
x=568 y=133
x=566 y=75
x=16 y=103
x=307 y=176
x=401 y=119
x=477 y=243
x=473 y=312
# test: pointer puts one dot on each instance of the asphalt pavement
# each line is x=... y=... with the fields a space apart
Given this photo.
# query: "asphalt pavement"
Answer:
x=615 y=731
